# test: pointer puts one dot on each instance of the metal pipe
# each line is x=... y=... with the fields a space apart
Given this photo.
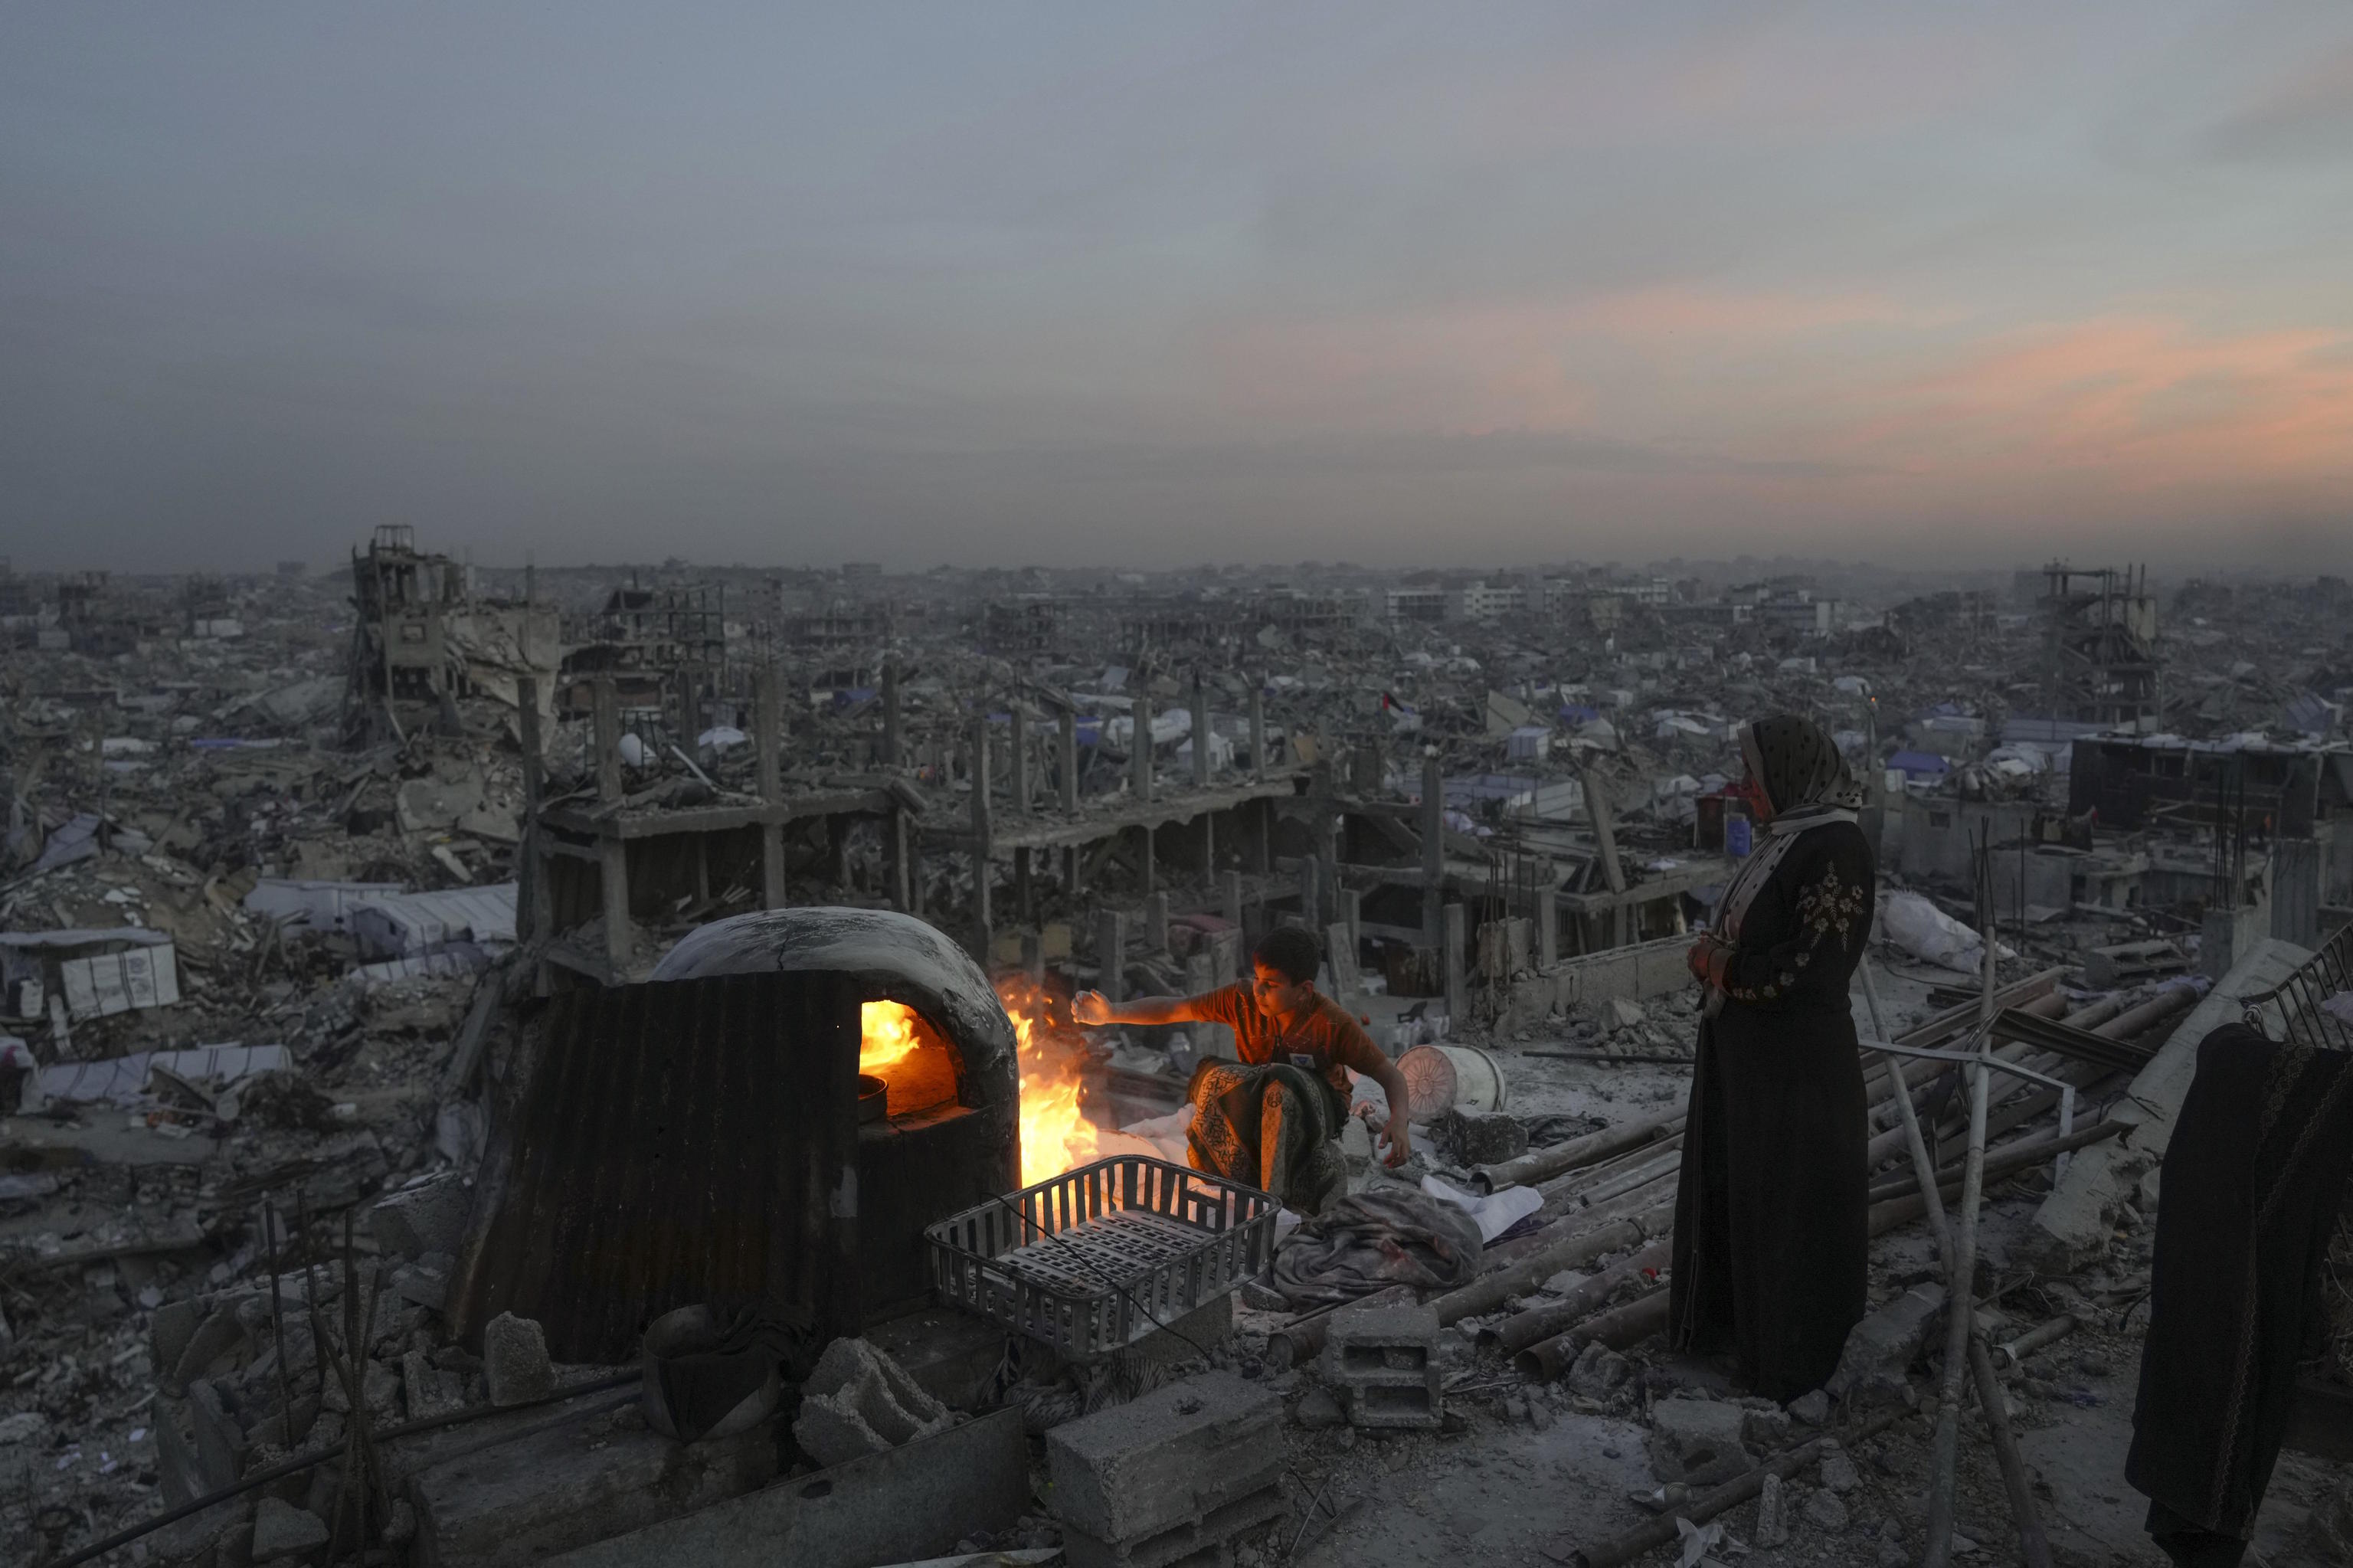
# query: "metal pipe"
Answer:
x=1946 y=1462
x=2035 y=1547
x=2015 y=1352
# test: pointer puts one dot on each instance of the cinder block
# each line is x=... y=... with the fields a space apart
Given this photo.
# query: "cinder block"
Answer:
x=1383 y=1363
x=1183 y=1464
x=1203 y=1542
x=858 y=1401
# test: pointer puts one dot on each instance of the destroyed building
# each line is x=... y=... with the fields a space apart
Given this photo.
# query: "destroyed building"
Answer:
x=390 y=1094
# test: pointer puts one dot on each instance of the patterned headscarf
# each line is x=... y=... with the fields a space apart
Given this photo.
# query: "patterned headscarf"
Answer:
x=1800 y=768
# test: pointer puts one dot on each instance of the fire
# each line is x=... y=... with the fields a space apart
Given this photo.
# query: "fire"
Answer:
x=1055 y=1135
x=886 y=1034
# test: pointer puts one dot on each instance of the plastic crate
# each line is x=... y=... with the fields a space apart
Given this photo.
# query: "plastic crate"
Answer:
x=1100 y=1256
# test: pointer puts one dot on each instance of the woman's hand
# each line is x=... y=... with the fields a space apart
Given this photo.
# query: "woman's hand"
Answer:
x=1090 y=1009
x=1709 y=958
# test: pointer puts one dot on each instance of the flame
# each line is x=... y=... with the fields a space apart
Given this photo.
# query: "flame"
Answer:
x=1055 y=1134
x=886 y=1034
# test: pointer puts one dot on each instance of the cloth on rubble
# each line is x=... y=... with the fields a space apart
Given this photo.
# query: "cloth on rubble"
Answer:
x=2253 y=1175
x=1771 y=1229
x=1389 y=1235
x=1266 y=1125
x=705 y=1366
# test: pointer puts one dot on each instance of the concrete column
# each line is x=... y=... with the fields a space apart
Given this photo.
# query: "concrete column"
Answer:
x=1068 y=739
x=1017 y=759
x=1146 y=863
x=1200 y=732
x=1352 y=910
x=532 y=914
x=1340 y=961
x=1233 y=889
x=891 y=753
x=1457 y=990
x=1434 y=846
x=767 y=742
x=1156 y=924
x=1025 y=892
x=898 y=860
x=1311 y=894
x=2296 y=891
x=1258 y=729
x=605 y=724
x=984 y=835
x=1547 y=927
x=1111 y=954
x=1265 y=862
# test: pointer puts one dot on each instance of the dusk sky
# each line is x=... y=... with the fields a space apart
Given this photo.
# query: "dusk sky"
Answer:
x=1104 y=283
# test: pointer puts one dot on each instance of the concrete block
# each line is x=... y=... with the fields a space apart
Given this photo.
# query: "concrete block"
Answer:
x=1881 y=1348
x=170 y=1329
x=1207 y=1541
x=514 y=1359
x=1383 y=1362
x=554 y=1492
x=1167 y=1469
x=910 y=1504
x=427 y=1217
x=281 y=1530
x=1698 y=1441
x=1483 y=1138
x=858 y=1401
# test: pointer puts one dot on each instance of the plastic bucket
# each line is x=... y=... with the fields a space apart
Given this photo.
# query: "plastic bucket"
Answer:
x=1439 y=1078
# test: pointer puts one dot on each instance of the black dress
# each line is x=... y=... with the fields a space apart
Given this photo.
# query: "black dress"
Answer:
x=1771 y=1234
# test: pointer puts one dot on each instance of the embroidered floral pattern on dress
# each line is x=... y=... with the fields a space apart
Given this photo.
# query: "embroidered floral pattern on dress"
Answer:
x=1829 y=905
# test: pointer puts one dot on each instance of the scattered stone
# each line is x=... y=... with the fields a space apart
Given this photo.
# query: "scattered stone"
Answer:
x=426 y=1282
x=514 y=1359
x=1838 y=1471
x=1824 y=1512
x=1623 y=1014
x=1893 y=1555
x=25 y=1427
x=1697 y=1441
x=1813 y=1409
x=429 y=1391
x=1772 y=1514
x=281 y=1530
x=1598 y=1371
x=2091 y=1363
x=1318 y=1410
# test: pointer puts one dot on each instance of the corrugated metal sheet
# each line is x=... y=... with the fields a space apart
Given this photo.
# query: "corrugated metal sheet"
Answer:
x=678 y=1142
x=399 y=923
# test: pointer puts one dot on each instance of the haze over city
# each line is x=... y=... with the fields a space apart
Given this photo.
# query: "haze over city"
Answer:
x=1089 y=284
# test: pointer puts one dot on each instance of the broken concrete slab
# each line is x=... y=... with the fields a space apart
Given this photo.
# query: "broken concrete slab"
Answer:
x=858 y=1401
x=1698 y=1441
x=1880 y=1350
x=427 y=1217
x=912 y=1503
x=2073 y=1223
x=566 y=1488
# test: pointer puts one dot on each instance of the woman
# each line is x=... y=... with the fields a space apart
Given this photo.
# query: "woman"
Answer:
x=1770 y=1229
